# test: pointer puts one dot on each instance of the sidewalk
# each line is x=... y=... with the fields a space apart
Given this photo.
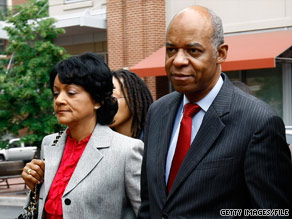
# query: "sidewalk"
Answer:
x=15 y=195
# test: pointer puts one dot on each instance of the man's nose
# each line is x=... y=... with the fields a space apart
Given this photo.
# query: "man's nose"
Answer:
x=180 y=58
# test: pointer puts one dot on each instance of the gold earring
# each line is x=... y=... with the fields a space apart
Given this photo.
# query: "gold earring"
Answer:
x=96 y=107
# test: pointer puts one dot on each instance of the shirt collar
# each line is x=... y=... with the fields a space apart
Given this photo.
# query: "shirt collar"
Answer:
x=74 y=141
x=206 y=101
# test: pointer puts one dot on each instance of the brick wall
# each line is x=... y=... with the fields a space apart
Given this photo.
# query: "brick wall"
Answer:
x=135 y=29
x=115 y=33
x=18 y=2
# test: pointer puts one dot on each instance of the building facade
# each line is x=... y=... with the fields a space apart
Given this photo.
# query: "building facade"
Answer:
x=128 y=32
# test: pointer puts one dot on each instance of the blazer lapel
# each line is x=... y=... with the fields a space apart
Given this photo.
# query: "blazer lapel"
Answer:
x=100 y=138
x=53 y=156
x=210 y=129
x=165 y=131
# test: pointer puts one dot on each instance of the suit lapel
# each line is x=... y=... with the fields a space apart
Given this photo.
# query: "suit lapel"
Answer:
x=165 y=131
x=100 y=138
x=209 y=131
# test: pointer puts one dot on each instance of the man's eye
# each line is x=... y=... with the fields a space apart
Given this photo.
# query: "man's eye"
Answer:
x=193 y=51
x=170 y=50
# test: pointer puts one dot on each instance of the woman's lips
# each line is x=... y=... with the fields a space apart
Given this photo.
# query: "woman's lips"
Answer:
x=62 y=111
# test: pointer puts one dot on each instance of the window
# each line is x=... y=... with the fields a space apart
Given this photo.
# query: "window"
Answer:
x=2 y=45
x=3 y=9
x=266 y=84
x=103 y=56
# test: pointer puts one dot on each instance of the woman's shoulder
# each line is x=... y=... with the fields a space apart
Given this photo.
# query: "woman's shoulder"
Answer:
x=130 y=149
x=127 y=144
x=105 y=135
x=126 y=139
x=49 y=139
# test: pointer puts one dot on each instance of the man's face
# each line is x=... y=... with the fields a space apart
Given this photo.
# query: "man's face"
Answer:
x=191 y=63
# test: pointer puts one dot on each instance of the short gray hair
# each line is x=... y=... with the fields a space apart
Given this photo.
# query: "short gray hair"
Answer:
x=218 y=34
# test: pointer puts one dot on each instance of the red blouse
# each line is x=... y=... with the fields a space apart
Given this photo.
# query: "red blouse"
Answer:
x=72 y=153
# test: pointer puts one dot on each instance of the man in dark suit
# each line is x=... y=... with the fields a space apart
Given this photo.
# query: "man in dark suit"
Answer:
x=238 y=158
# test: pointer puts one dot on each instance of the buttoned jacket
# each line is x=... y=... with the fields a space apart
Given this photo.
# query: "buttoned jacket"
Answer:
x=239 y=159
x=106 y=180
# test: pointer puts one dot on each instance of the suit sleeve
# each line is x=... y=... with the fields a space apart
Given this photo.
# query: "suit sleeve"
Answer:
x=133 y=174
x=268 y=168
x=144 y=211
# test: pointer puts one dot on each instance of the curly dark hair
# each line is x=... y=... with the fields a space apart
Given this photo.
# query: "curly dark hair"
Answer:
x=90 y=72
x=137 y=96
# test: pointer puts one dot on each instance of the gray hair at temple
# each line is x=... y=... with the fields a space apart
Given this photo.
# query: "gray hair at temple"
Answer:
x=218 y=35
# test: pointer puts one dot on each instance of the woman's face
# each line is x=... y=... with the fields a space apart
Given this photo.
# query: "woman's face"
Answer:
x=72 y=104
x=123 y=118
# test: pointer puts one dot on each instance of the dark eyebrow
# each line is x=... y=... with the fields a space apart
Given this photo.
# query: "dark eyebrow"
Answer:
x=65 y=85
x=188 y=45
x=169 y=44
x=194 y=45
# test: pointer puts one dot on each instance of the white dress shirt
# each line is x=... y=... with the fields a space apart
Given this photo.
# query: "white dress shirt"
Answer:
x=204 y=103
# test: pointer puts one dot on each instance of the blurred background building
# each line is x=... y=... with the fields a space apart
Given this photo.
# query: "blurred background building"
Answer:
x=131 y=34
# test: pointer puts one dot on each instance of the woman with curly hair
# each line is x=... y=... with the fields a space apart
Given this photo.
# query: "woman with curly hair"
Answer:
x=134 y=99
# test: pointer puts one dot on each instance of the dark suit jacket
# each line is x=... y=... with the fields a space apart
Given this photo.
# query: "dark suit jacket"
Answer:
x=239 y=159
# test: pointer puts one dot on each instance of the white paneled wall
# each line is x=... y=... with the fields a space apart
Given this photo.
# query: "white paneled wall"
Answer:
x=241 y=15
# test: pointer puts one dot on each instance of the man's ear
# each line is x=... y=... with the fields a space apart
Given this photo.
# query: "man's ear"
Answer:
x=221 y=53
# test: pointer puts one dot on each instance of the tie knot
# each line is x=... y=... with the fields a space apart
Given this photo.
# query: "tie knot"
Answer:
x=191 y=109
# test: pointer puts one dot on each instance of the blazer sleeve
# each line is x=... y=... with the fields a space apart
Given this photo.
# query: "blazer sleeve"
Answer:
x=133 y=173
x=29 y=195
x=268 y=168
x=144 y=211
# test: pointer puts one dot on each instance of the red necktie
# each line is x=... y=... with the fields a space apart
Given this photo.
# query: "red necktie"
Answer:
x=183 y=142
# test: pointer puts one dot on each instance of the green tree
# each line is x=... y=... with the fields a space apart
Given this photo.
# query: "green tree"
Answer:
x=25 y=96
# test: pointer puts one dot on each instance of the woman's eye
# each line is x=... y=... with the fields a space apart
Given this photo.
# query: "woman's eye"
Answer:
x=71 y=93
x=55 y=94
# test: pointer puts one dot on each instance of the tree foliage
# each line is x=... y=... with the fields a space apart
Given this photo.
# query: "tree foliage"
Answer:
x=25 y=96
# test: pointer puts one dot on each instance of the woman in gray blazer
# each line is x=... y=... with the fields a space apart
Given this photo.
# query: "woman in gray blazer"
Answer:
x=101 y=180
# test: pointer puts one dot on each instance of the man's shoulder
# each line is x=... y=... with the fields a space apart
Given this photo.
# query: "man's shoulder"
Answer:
x=167 y=100
x=241 y=100
x=252 y=103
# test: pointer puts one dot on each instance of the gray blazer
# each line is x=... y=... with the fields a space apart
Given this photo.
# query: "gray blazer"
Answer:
x=239 y=159
x=106 y=181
